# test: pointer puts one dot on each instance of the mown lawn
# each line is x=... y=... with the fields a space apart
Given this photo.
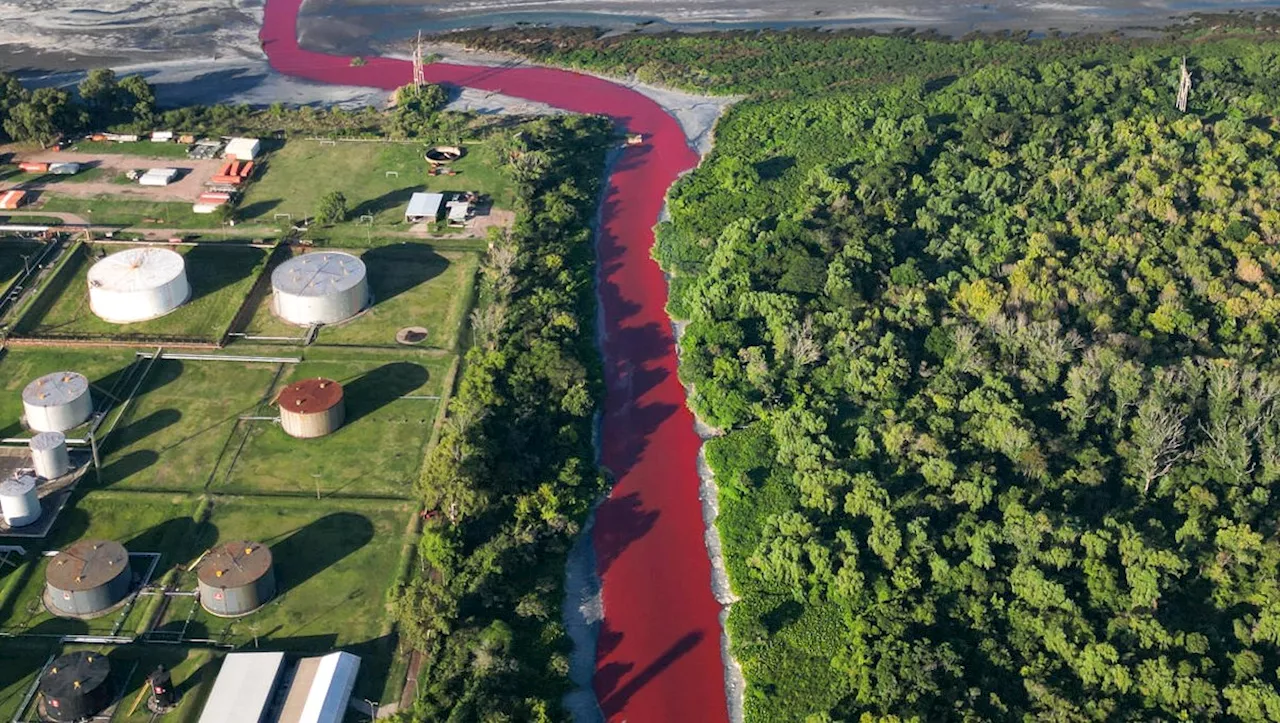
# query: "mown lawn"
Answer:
x=193 y=671
x=178 y=426
x=107 y=210
x=142 y=523
x=300 y=173
x=141 y=149
x=333 y=561
x=220 y=277
x=412 y=285
x=378 y=451
x=108 y=371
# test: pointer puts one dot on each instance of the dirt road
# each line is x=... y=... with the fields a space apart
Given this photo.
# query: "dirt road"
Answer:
x=192 y=176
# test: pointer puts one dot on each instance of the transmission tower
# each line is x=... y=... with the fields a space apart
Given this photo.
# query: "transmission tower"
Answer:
x=1184 y=86
x=419 y=76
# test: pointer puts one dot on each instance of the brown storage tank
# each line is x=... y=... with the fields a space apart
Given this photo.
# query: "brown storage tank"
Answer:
x=311 y=408
x=88 y=578
x=236 y=578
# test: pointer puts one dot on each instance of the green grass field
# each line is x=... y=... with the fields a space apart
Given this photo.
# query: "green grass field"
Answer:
x=297 y=175
x=151 y=523
x=104 y=210
x=412 y=285
x=333 y=563
x=377 y=452
x=12 y=251
x=106 y=369
x=141 y=149
x=180 y=422
x=220 y=278
x=193 y=671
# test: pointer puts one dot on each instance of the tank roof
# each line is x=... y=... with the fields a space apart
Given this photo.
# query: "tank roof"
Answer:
x=322 y=273
x=47 y=440
x=137 y=269
x=55 y=389
x=75 y=673
x=310 y=396
x=87 y=564
x=234 y=564
x=17 y=486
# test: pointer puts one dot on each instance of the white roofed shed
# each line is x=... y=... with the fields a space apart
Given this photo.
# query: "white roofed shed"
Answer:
x=243 y=149
x=424 y=207
x=242 y=693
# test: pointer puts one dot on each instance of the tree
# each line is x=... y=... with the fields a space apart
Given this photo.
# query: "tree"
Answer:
x=136 y=99
x=99 y=92
x=44 y=117
x=332 y=208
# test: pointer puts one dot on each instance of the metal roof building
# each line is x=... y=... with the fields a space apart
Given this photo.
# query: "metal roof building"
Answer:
x=321 y=689
x=243 y=149
x=424 y=207
x=242 y=693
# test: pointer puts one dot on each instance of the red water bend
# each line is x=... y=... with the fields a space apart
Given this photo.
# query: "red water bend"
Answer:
x=658 y=657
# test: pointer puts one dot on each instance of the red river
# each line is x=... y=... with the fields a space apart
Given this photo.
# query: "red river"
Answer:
x=658 y=656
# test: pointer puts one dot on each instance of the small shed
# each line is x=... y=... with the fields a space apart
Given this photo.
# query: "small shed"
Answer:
x=459 y=212
x=243 y=690
x=11 y=200
x=424 y=207
x=243 y=149
x=159 y=177
x=162 y=137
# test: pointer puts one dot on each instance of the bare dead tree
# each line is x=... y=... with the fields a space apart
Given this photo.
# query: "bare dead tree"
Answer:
x=1160 y=436
x=486 y=325
x=499 y=266
x=804 y=347
x=1184 y=86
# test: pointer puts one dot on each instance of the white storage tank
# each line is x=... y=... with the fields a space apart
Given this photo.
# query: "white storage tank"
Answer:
x=49 y=454
x=138 y=284
x=57 y=402
x=19 y=501
x=319 y=288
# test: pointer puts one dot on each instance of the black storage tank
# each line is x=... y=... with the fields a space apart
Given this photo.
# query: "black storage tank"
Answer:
x=76 y=687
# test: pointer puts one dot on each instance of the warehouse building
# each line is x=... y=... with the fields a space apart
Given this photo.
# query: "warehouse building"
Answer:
x=264 y=687
x=243 y=149
x=243 y=691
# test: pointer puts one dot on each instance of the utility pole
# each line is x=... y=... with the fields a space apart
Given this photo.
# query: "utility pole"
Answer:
x=419 y=76
x=1184 y=86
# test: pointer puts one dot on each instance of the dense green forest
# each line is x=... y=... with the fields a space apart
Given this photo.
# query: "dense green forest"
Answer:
x=513 y=474
x=991 y=348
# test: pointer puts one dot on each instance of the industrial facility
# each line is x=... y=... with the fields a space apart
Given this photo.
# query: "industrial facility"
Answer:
x=49 y=454
x=236 y=578
x=57 y=402
x=138 y=284
x=319 y=288
x=260 y=687
x=19 y=501
x=311 y=408
x=77 y=686
x=88 y=578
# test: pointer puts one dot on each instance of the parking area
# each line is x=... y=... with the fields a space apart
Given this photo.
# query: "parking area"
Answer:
x=110 y=179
